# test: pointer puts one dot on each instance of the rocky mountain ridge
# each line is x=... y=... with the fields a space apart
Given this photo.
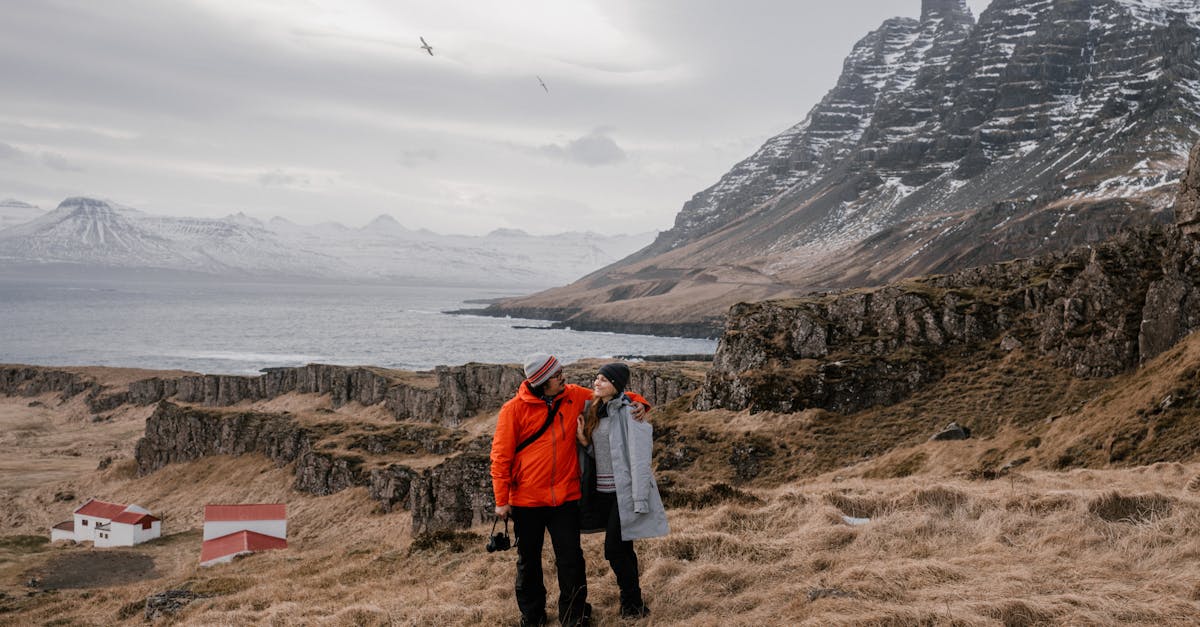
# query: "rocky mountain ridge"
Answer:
x=1096 y=311
x=946 y=144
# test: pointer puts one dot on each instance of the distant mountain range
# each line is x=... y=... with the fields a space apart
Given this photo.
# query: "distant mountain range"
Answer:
x=14 y=212
x=97 y=235
x=945 y=144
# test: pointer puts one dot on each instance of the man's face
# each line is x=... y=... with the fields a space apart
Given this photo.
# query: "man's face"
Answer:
x=555 y=384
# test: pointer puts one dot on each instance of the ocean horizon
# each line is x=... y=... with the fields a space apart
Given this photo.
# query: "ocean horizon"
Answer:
x=217 y=327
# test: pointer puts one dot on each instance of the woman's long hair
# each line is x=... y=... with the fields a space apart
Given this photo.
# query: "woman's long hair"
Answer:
x=591 y=418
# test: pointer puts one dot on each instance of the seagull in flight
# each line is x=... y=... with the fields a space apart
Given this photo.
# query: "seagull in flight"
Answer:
x=426 y=47
x=543 y=84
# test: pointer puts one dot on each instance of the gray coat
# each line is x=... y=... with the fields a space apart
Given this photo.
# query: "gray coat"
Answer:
x=638 y=502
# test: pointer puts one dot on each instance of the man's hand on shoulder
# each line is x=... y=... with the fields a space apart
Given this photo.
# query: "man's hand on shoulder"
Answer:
x=641 y=412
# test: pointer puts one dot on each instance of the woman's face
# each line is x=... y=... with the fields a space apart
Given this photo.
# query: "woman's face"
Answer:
x=603 y=387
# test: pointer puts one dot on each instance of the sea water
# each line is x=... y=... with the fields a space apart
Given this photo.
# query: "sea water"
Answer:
x=239 y=328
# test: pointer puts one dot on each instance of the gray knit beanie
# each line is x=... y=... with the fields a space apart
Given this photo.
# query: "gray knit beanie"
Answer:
x=539 y=367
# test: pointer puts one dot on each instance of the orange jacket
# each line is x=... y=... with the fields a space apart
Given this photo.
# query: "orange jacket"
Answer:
x=545 y=473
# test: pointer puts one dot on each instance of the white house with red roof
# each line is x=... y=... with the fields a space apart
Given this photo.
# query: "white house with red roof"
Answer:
x=232 y=530
x=108 y=524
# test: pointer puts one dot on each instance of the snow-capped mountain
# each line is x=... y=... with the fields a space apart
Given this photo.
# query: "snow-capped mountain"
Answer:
x=945 y=144
x=1064 y=109
x=384 y=249
x=99 y=233
x=14 y=212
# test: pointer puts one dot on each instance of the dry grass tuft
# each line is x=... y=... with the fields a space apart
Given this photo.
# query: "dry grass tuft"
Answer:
x=940 y=499
x=857 y=506
x=1142 y=508
x=897 y=468
x=450 y=541
x=711 y=496
x=221 y=586
x=1016 y=613
x=717 y=547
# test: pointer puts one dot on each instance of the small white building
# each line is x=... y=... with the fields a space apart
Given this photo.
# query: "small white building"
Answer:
x=232 y=530
x=108 y=524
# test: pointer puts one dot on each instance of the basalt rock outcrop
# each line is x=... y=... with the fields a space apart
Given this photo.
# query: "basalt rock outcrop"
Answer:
x=1097 y=311
x=1187 y=207
x=330 y=457
x=447 y=395
x=34 y=381
x=176 y=434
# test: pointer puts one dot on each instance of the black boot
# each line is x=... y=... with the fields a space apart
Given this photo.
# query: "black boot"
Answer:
x=534 y=620
x=583 y=620
x=635 y=610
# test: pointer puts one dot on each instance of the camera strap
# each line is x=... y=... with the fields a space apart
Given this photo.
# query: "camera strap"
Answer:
x=494 y=521
x=549 y=419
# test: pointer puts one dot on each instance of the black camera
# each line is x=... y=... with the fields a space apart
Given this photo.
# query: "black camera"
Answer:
x=499 y=541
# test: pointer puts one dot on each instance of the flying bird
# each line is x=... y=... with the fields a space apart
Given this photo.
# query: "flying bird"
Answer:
x=543 y=84
x=426 y=47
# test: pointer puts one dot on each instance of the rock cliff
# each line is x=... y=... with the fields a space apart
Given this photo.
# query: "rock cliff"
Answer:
x=446 y=395
x=1097 y=310
x=330 y=457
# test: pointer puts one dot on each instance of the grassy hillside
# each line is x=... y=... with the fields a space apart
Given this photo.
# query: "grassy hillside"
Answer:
x=1076 y=502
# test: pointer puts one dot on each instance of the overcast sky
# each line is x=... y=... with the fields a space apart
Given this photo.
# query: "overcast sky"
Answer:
x=320 y=110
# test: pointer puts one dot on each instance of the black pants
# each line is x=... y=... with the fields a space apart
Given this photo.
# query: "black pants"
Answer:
x=620 y=553
x=530 y=525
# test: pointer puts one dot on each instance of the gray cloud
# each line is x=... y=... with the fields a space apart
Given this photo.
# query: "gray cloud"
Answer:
x=198 y=90
x=594 y=149
x=58 y=162
x=9 y=152
x=414 y=158
x=279 y=178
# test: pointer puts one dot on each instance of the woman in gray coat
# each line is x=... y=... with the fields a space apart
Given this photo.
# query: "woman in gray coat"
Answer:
x=621 y=494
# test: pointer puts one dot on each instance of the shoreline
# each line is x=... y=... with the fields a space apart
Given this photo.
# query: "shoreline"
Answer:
x=570 y=319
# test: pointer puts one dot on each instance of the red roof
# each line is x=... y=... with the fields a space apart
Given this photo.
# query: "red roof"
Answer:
x=222 y=513
x=239 y=542
x=133 y=518
x=100 y=509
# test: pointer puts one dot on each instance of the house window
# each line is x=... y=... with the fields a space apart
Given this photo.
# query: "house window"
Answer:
x=146 y=525
x=84 y=522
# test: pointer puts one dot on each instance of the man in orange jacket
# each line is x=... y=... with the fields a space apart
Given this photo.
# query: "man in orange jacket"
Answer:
x=535 y=479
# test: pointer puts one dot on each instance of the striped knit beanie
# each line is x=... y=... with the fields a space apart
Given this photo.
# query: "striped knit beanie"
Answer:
x=539 y=367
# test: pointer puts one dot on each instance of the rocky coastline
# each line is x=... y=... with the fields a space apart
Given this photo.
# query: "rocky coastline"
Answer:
x=574 y=318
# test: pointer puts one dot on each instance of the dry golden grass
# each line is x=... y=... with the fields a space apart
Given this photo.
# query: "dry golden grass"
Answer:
x=1040 y=544
x=1041 y=547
